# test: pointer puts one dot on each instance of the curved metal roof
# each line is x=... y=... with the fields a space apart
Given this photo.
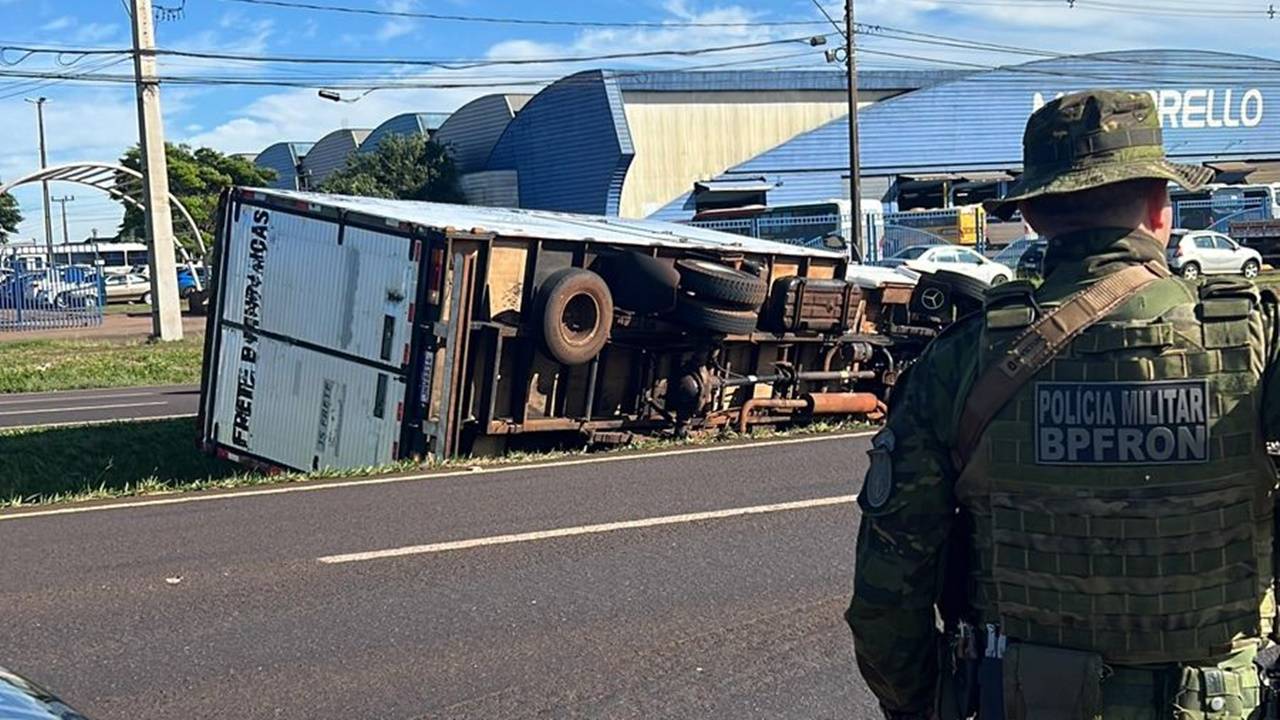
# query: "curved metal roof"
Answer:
x=424 y=123
x=473 y=129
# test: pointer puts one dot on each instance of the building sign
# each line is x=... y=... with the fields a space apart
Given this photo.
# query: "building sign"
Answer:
x=1198 y=108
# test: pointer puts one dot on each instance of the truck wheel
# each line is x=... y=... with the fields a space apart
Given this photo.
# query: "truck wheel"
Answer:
x=722 y=284
x=574 y=311
x=718 y=319
x=639 y=283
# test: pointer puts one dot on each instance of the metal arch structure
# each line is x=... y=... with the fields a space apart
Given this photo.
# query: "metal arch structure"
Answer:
x=107 y=178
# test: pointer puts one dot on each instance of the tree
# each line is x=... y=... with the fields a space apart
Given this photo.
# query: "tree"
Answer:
x=404 y=167
x=9 y=217
x=196 y=178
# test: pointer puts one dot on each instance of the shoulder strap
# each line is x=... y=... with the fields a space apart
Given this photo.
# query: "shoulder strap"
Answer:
x=1038 y=345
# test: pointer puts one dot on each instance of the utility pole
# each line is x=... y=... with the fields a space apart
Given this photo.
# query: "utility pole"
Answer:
x=44 y=184
x=855 y=179
x=66 y=239
x=166 y=311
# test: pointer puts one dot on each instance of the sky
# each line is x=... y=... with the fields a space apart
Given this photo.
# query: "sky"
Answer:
x=96 y=121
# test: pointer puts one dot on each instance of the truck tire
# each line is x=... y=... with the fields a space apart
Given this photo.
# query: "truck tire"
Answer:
x=718 y=319
x=639 y=283
x=722 y=284
x=574 y=315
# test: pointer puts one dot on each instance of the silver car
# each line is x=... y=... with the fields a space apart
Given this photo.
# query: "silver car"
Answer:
x=1203 y=252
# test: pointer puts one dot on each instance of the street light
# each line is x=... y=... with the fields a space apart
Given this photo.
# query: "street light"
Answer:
x=335 y=96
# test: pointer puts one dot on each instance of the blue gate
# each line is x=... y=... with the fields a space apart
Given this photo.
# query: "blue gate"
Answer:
x=54 y=296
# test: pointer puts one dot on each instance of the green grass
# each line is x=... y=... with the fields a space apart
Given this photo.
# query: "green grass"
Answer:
x=126 y=309
x=1268 y=278
x=44 y=365
x=145 y=458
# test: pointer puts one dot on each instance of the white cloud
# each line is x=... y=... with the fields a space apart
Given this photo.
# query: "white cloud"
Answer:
x=299 y=115
x=93 y=33
x=397 y=27
x=59 y=23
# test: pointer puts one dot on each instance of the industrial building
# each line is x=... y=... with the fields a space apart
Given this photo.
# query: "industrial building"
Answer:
x=612 y=142
x=672 y=144
x=960 y=142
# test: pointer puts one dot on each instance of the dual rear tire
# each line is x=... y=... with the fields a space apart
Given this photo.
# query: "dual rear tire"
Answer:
x=573 y=308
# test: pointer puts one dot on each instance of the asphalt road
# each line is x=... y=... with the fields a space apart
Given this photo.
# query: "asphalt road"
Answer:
x=74 y=407
x=223 y=608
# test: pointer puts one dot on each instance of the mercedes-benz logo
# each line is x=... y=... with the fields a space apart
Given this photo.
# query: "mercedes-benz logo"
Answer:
x=933 y=298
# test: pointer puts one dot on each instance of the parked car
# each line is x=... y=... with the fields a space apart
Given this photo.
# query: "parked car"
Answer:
x=1204 y=252
x=1011 y=253
x=1031 y=263
x=127 y=288
x=933 y=258
x=21 y=698
x=19 y=290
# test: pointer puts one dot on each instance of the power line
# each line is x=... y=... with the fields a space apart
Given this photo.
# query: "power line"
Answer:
x=1262 y=9
x=470 y=65
x=408 y=14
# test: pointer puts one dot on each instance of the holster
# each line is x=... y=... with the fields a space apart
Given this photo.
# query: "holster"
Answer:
x=1048 y=683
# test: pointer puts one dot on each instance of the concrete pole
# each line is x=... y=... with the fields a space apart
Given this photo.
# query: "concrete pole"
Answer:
x=66 y=239
x=855 y=179
x=44 y=184
x=166 y=309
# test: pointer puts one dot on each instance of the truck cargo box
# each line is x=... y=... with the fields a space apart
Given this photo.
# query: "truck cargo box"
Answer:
x=350 y=332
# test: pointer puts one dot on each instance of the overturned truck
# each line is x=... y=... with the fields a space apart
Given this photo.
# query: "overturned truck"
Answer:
x=349 y=332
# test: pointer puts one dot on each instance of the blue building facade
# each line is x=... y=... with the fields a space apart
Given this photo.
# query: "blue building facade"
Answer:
x=570 y=146
x=285 y=158
x=403 y=124
x=1214 y=108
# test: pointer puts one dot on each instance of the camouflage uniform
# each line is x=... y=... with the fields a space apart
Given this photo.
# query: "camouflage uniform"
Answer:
x=1163 y=571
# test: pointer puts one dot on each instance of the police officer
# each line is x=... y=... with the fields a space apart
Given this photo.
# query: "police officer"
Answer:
x=1075 y=479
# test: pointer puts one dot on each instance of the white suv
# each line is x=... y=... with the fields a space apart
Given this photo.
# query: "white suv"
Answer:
x=1204 y=252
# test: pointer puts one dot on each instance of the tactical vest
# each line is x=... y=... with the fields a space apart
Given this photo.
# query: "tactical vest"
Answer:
x=1122 y=501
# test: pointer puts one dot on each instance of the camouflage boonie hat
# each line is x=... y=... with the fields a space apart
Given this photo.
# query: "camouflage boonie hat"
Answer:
x=1089 y=139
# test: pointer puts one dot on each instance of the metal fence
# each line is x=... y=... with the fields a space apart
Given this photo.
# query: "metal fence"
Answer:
x=804 y=230
x=57 y=296
x=931 y=227
x=1217 y=214
x=885 y=234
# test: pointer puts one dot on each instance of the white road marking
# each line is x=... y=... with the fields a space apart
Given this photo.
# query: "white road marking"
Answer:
x=61 y=398
x=314 y=486
x=91 y=423
x=81 y=408
x=586 y=530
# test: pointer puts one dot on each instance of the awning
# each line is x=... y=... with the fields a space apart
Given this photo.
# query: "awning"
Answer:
x=1248 y=171
x=743 y=185
x=966 y=177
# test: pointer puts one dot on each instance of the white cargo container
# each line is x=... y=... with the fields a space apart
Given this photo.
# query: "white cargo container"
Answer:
x=349 y=332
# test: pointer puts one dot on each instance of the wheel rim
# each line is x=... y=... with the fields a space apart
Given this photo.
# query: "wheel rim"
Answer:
x=1251 y=270
x=579 y=319
x=1191 y=271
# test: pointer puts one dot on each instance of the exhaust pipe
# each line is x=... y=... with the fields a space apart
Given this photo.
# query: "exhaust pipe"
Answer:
x=817 y=404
